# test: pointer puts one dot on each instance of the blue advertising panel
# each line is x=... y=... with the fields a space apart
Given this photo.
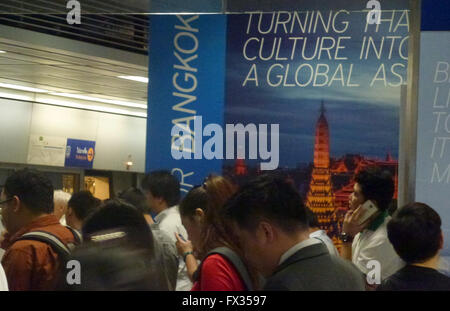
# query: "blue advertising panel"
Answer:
x=186 y=90
x=433 y=128
x=80 y=153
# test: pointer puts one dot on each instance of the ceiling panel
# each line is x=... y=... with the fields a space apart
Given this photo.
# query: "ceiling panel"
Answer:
x=64 y=71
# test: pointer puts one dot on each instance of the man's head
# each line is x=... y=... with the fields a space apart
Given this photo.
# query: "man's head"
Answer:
x=415 y=232
x=162 y=190
x=375 y=185
x=60 y=199
x=28 y=195
x=138 y=199
x=80 y=206
x=270 y=218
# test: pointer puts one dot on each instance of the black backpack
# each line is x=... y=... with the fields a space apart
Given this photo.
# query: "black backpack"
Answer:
x=235 y=260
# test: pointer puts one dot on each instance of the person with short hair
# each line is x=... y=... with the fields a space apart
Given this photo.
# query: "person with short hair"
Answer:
x=164 y=247
x=162 y=191
x=317 y=233
x=61 y=198
x=270 y=219
x=365 y=241
x=416 y=234
x=27 y=206
x=79 y=207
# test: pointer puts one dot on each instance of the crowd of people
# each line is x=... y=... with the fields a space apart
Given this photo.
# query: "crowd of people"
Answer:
x=218 y=237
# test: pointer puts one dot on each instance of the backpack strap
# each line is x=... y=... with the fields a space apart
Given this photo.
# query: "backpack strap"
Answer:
x=235 y=260
x=57 y=245
x=76 y=235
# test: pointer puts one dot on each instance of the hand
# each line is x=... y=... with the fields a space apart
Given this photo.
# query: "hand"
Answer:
x=183 y=246
x=351 y=224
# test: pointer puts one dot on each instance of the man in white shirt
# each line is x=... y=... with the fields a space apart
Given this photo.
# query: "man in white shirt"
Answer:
x=321 y=235
x=367 y=242
x=163 y=194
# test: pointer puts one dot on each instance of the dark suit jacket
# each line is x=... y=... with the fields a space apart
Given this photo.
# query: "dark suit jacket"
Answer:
x=313 y=269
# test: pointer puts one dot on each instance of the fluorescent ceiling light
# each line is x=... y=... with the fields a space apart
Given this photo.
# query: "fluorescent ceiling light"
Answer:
x=91 y=107
x=1 y=52
x=23 y=88
x=102 y=100
x=135 y=78
x=15 y=96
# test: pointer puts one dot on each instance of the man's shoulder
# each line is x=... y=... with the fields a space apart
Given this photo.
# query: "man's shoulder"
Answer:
x=306 y=274
x=59 y=231
x=171 y=222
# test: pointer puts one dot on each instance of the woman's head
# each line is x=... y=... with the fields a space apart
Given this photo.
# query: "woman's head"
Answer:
x=201 y=214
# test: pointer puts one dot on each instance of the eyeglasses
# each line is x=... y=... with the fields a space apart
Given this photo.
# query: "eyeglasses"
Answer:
x=5 y=201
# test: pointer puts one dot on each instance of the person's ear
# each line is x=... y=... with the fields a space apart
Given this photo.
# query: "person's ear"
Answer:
x=265 y=233
x=441 y=242
x=68 y=211
x=199 y=215
x=16 y=204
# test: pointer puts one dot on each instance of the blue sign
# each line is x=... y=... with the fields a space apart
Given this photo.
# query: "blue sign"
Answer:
x=186 y=89
x=80 y=153
x=433 y=128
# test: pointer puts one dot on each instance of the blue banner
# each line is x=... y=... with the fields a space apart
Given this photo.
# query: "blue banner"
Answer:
x=80 y=153
x=186 y=90
x=433 y=128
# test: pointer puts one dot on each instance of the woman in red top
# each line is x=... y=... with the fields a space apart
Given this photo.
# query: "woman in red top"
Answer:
x=207 y=229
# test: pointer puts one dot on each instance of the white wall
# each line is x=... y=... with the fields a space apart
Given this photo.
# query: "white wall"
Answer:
x=116 y=136
x=15 y=118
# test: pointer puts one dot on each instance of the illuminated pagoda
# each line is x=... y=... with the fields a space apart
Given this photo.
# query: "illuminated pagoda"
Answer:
x=320 y=197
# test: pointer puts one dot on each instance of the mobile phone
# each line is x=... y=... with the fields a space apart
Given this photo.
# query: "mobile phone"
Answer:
x=370 y=209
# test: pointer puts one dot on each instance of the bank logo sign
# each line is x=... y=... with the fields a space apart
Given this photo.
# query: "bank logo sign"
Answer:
x=80 y=153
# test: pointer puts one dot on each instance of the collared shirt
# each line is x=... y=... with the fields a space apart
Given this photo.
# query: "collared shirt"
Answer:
x=297 y=247
x=373 y=244
x=322 y=236
x=169 y=221
x=167 y=254
x=34 y=265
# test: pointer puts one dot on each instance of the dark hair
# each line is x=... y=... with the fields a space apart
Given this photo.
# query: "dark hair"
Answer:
x=211 y=197
x=312 y=219
x=376 y=185
x=114 y=266
x=268 y=197
x=83 y=204
x=34 y=190
x=415 y=232
x=217 y=230
x=164 y=185
x=136 y=198
x=119 y=215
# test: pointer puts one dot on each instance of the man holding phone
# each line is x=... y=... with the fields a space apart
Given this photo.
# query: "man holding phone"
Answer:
x=364 y=232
